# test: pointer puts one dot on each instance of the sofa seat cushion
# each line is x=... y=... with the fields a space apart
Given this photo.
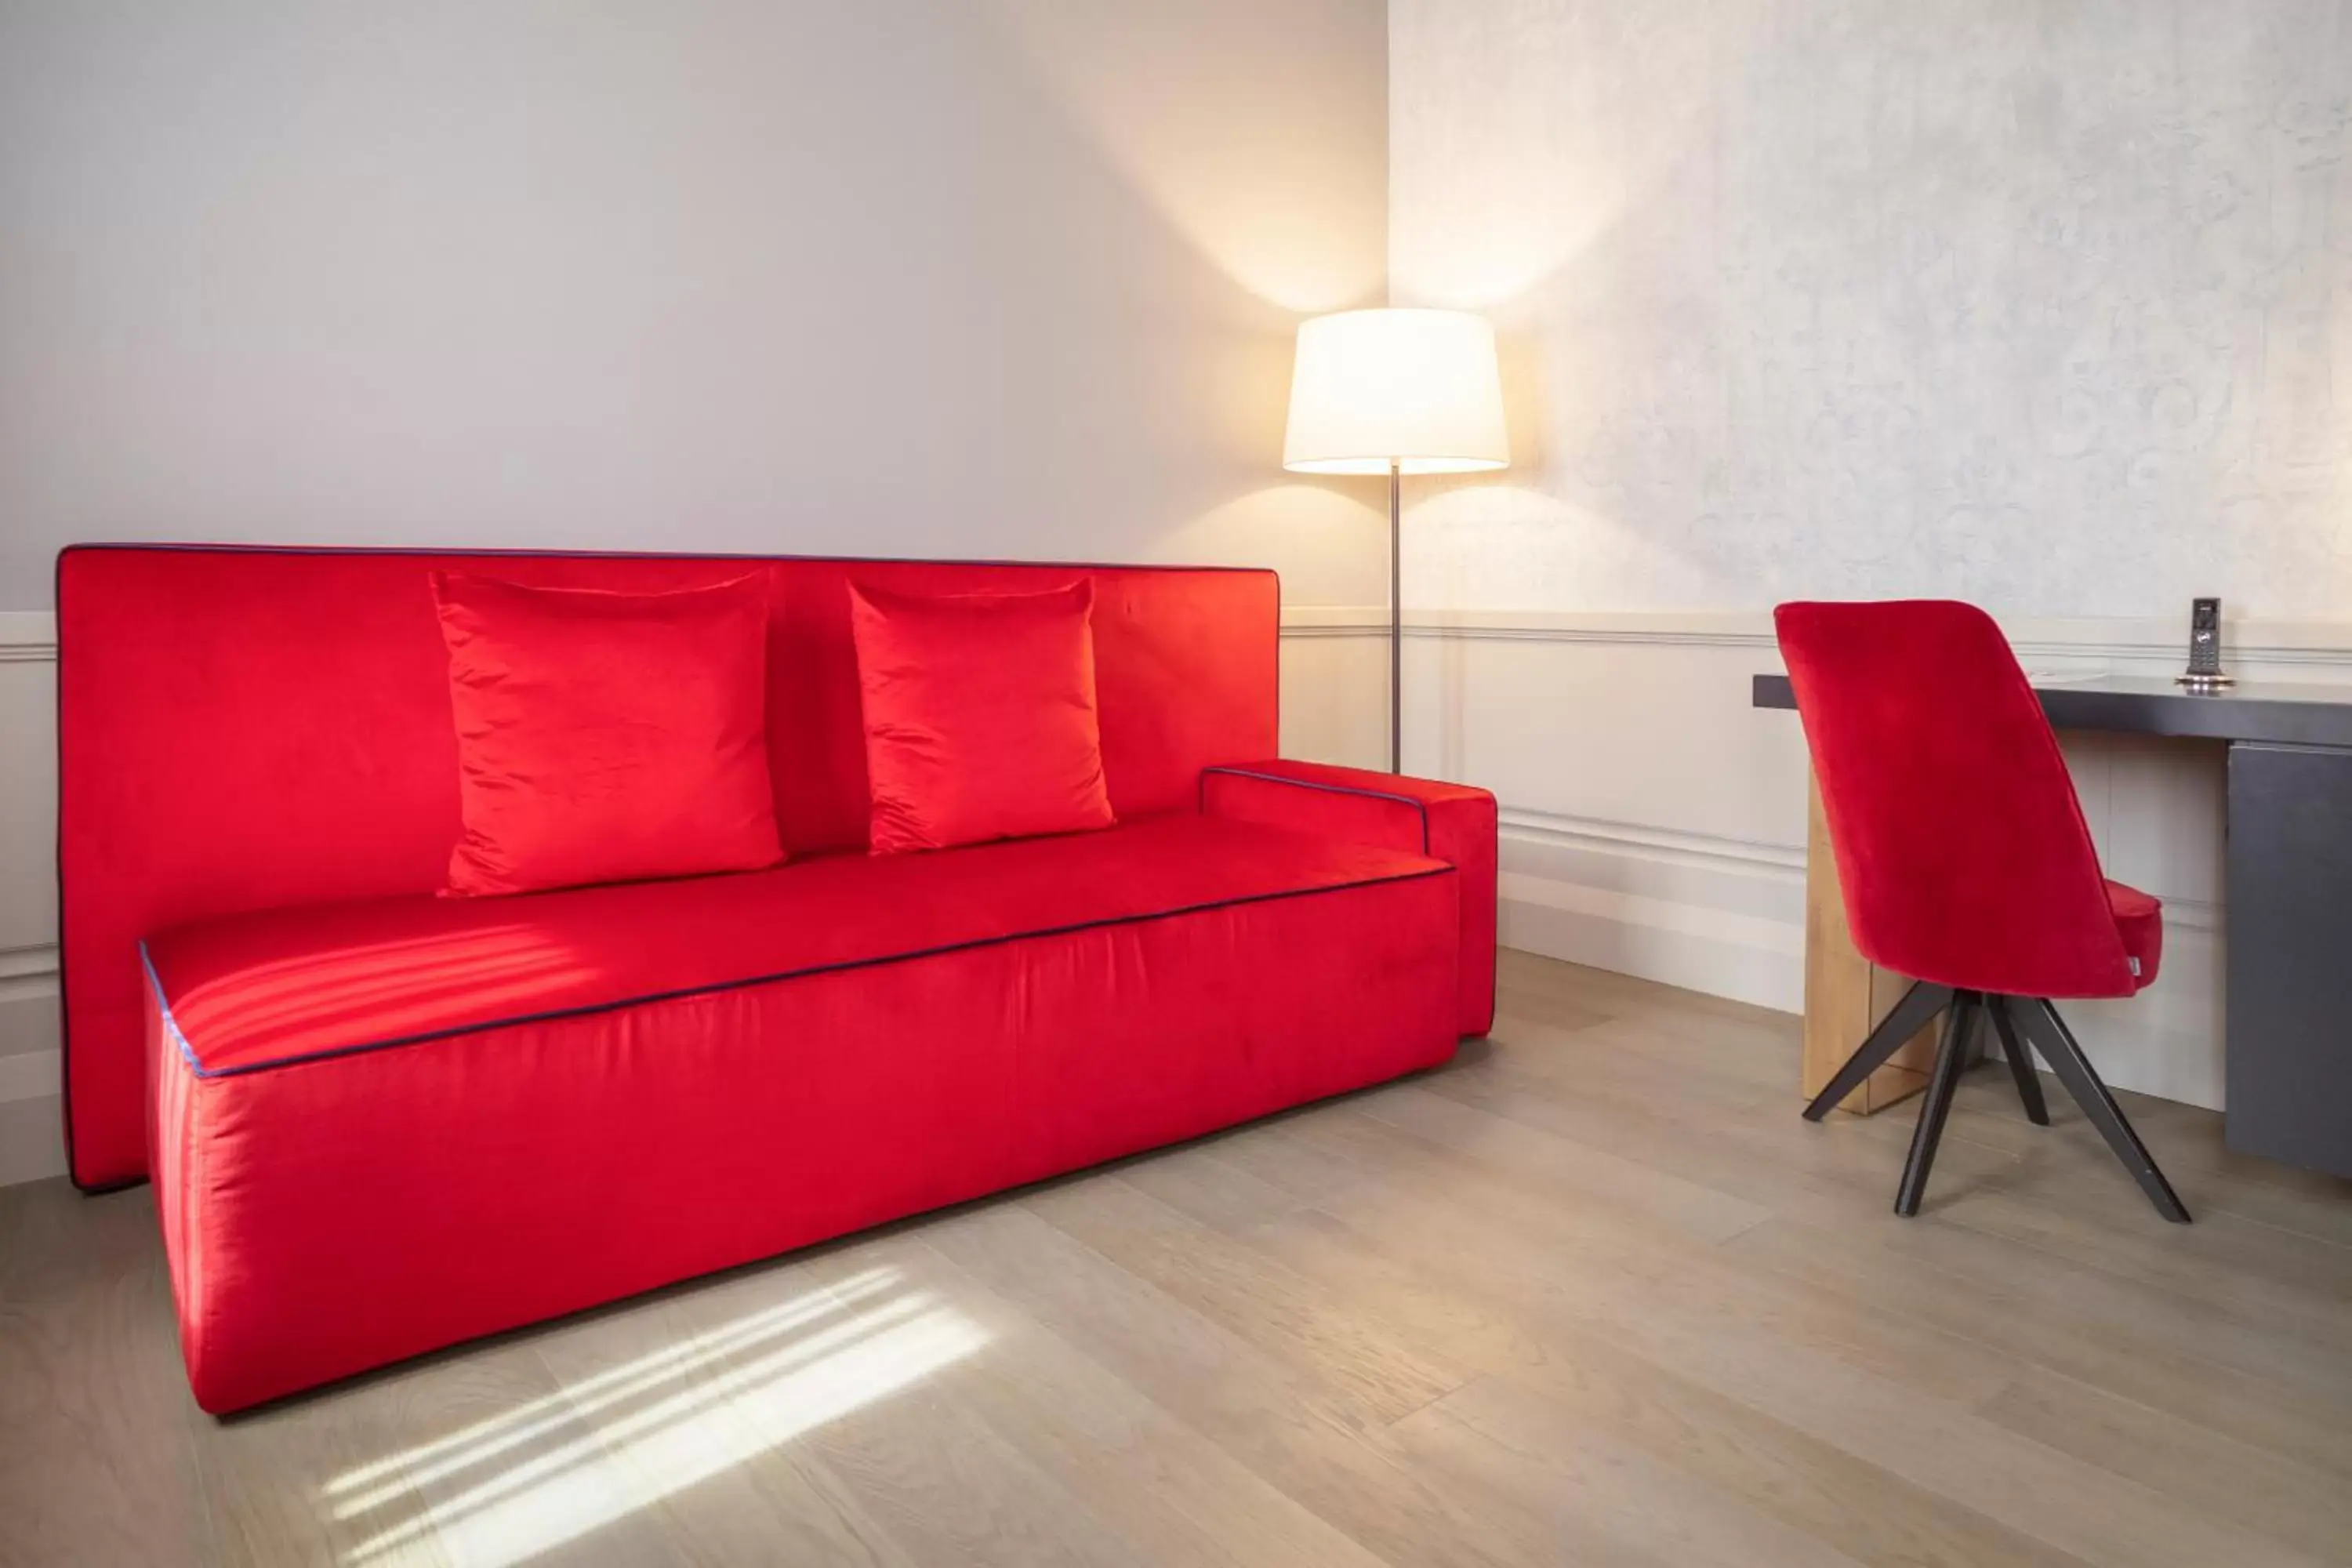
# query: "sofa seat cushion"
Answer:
x=252 y=992
x=397 y=1125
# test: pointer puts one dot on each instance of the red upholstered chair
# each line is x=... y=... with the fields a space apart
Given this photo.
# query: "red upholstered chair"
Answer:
x=1964 y=858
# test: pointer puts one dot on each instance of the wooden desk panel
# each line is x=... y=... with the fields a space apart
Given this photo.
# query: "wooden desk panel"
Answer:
x=1845 y=993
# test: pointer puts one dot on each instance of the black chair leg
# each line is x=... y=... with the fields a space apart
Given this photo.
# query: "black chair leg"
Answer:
x=2049 y=1031
x=1919 y=1005
x=1950 y=1057
x=2021 y=1062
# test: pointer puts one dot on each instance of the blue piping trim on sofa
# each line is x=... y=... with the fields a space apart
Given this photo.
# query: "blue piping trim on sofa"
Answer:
x=188 y=1055
x=163 y=1005
x=1327 y=787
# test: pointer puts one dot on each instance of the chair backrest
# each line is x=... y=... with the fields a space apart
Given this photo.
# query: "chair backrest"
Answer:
x=257 y=728
x=1960 y=844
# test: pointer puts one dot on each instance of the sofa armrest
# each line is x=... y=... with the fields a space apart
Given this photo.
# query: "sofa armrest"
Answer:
x=1449 y=822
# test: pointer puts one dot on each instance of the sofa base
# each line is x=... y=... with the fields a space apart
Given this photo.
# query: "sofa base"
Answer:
x=333 y=1216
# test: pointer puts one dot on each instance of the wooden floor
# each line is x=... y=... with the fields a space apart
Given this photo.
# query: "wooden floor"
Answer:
x=1593 y=1294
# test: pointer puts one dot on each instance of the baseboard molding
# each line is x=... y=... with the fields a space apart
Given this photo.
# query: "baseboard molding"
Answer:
x=32 y=1139
x=1662 y=905
x=30 y=1075
x=1672 y=945
x=1719 y=915
x=1658 y=843
x=1769 y=968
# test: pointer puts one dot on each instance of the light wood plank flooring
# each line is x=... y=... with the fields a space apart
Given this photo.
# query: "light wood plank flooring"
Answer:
x=1593 y=1294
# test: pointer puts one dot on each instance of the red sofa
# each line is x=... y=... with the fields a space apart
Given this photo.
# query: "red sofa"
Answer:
x=381 y=1122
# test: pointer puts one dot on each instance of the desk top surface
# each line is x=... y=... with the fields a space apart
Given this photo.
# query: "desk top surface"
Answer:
x=2281 y=712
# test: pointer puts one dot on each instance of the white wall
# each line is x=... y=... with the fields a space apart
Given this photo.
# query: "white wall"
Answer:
x=2042 y=306
x=904 y=277
x=1001 y=278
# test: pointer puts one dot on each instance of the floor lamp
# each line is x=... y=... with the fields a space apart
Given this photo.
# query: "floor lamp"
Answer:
x=1396 y=393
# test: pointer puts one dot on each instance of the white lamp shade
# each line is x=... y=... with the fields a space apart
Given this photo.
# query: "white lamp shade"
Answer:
x=1416 y=388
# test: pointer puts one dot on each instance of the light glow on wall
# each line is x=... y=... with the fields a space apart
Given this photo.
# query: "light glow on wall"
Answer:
x=1268 y=182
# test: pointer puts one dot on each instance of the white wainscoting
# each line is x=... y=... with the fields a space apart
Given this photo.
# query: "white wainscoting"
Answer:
x=31 y=1140
x=1654 y=821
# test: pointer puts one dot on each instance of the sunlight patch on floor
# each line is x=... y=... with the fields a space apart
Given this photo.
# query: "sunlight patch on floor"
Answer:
x=494 y=1494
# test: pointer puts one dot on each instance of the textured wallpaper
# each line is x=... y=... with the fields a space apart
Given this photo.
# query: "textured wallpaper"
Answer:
x=2047 y=305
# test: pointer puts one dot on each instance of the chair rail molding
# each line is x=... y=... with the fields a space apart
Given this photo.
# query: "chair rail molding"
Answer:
x=28 y=637
x=23 y=968
x=2323 y=643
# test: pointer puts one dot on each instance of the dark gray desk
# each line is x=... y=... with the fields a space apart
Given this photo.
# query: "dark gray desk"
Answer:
x=2288 y=1054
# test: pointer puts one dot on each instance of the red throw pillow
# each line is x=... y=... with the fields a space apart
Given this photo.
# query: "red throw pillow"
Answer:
x=607 y=737
x=979 y=716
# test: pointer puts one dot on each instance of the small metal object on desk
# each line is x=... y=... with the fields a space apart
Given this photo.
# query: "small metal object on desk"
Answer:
x=2204 y=672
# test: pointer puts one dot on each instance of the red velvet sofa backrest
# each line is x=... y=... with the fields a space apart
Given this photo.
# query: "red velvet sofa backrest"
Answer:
x=248 y=729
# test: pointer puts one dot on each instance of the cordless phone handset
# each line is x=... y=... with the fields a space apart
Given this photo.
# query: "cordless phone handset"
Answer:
x=2204 y=671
